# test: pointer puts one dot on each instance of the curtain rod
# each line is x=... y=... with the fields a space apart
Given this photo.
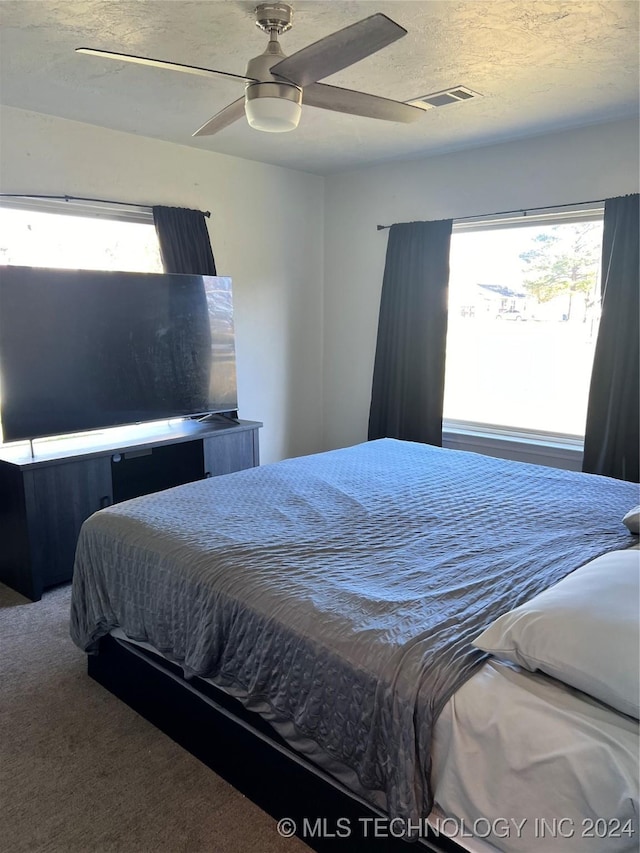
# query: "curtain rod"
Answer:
x=206 y=213
x=506 y=212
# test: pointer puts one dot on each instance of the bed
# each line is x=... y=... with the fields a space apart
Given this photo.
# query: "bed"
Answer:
x=335 y=598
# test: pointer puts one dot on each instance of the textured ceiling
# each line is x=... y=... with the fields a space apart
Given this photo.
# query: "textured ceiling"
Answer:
x=539 y=65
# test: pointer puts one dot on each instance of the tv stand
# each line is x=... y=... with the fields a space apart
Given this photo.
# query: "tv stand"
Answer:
x=49 y=487
x=219 y=418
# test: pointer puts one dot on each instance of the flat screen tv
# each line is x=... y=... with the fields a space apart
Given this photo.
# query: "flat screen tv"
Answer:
x=82 y=350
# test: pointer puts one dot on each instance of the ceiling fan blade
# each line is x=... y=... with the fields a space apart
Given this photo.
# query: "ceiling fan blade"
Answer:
x=160 y=63
x=222 y=119
x=337 y=51
x=358 y=103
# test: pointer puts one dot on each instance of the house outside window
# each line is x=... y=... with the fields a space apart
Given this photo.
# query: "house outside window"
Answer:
x=524 y=308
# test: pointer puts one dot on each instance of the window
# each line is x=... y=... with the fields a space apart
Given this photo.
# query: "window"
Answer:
x=524 y=307
x=78 y=236
x=74 y=235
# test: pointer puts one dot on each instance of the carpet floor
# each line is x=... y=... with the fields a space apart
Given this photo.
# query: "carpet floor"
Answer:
x=80 y=772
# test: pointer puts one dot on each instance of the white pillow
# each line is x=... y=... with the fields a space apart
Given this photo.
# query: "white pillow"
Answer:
x=632 y=520
x=584 y=631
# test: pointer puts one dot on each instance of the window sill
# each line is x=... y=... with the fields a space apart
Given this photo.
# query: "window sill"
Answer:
x=552 y=451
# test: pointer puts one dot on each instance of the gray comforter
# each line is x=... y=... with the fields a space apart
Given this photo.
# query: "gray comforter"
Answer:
x=338 y=593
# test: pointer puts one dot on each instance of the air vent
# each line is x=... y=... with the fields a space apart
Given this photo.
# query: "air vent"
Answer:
x=441 y=99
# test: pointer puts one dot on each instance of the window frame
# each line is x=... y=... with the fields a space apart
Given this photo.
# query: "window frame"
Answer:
x=87 y=209
x=79 y=207
x=564 y=451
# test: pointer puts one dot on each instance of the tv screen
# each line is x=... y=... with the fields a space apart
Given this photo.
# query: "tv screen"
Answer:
x=82 y=350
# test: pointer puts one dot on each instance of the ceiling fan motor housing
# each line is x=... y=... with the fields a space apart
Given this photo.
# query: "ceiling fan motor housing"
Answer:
x=259 y=68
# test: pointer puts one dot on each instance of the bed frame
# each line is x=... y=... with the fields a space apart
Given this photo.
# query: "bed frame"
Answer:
x=245 y=750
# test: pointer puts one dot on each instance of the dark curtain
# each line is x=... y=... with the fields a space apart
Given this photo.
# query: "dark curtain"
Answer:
x=612 y=439
x=184 y=241
x=186 y=348
x=408 y=377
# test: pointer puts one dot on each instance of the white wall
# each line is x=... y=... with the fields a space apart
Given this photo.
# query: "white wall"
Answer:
x=591 y=163
x=266 y=230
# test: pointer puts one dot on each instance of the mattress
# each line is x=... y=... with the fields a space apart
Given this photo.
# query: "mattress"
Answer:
x=339 y=592
x=523 y=762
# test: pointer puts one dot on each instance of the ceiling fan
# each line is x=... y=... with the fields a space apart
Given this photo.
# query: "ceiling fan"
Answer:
x=276 y=86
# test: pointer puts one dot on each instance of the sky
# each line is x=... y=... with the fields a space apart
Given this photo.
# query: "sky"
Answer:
x=491 y=257
x=31 y=238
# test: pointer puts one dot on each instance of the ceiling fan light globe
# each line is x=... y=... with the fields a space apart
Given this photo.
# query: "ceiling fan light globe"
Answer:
x=273 y=115
x=273 y=107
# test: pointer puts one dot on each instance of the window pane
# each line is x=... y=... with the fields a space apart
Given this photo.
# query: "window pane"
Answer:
x=36 y=239
x=523 y=319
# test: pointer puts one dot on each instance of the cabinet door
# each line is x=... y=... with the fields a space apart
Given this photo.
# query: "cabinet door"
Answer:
x=15 y=558
x=230 y=451
x=58 y=499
